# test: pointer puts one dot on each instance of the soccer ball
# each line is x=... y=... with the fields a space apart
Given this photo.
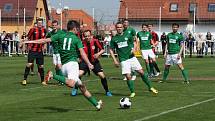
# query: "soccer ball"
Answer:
x=125 y=103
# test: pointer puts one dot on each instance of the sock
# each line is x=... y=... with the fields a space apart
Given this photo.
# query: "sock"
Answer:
x=147 y=67
x=130 y=84
x=165 y=74
x=92 y=100
x=27 y=70
x=59 y=72
x=151 y=68
x=185 y=74
x=41 y=71
x=59 y=78
x=156 y=66
x=104 y=84
x=146 y=80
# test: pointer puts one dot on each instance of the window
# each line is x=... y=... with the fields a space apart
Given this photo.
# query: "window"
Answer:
x=192 y=7
x=211 y=7
x=173 y=7
x=8 y=7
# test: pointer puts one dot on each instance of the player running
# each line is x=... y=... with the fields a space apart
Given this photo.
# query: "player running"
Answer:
x=69 y=46
x=173 y=51
x=94 y=50
x=124 y=45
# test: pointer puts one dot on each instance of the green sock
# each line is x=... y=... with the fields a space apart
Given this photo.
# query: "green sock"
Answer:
x=59 y=72
x=92 y=100
x=165 y=74
x=146 y=80
x=147 y=68
x=59 y=78
x=130 y=84
x=151 y=68
x=185 y=74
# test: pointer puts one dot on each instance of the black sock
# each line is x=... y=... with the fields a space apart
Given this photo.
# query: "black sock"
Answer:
x=27 y=70
x=156 y=66
x=41 y=71
x=104 y=84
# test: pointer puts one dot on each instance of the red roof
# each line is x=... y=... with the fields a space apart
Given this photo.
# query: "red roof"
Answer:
x=150 y=9
x=78 y=15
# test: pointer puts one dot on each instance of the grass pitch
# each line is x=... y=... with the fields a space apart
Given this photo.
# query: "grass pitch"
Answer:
x=175 y=101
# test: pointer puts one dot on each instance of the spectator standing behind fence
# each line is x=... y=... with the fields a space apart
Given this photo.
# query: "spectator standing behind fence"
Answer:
x=190 y=44
x=210 y=42
x=16 y=40
x=163 y=42
x=107 y=40
x=200 y=45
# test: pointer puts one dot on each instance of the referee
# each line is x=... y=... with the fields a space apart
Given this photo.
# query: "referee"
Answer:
x=35 y=51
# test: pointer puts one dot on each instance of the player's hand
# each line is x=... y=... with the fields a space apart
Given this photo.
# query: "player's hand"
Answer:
x=90 y=66
x=164 y=56
x=96 y=56
x=179 y=56
x=116 y=63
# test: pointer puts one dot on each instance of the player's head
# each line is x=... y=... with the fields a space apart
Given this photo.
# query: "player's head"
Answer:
x=87 y=35
x=39 y=23
x=119 y=27
x=55 y=25
x=150 y=26
x=144 y=27
x=73 y=26
x=175 y=27
x=125 y=23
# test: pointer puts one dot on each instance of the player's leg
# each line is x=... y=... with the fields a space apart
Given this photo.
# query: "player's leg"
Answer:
x=184 y=73
x=32 y=69
x=168 y=63
x=155 y=66
x=40 y=63
x=31 y=58
x=145 y=57
x=57 y=64
x=74 y=90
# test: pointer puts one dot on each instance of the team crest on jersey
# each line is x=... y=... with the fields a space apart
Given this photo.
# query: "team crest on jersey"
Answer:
x=126 y=38
x=93 y=47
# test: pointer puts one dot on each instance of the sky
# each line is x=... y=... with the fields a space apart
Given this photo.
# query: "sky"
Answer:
x=105 y=11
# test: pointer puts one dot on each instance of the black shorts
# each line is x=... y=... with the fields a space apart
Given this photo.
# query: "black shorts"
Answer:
x=97 y=67
x=36 y=55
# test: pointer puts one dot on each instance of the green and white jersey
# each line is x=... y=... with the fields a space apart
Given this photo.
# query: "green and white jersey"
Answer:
x=123 y=45
x=145 y=40
x=130 y=31
x=68 y=44
x=52 y=33
x=173 y=42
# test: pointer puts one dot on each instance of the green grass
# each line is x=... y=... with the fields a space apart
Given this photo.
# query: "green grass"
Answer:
x=35 y=102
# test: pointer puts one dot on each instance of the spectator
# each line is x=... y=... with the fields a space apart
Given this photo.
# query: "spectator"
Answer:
x=200 y=45
x=163 y=41
x=190 y=44
x=16 y=40
x=210 y=42
x=4 y=42
x=107 y=40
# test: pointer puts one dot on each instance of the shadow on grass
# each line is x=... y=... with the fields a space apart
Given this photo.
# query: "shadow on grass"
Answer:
x=61 y=110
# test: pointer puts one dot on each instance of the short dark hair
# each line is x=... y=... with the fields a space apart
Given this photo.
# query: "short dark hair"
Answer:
x=150 y=24
x=119 y=22
x=87 y=31
x=144 y=25
x=175 y=24
x=125 y=20
x=72 y=24
x=55 y=21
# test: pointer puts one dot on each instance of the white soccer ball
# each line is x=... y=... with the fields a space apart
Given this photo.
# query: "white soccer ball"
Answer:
x=125 y=103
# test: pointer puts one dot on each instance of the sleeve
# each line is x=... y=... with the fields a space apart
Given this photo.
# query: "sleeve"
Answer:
x=150 y=36
x=156 y=37
x=98 y=44
x=181 y=39
x=133 y=32
x=55 y=38
x=131 y=41
x=112 y=46
x=30 y=33
x=79 y=43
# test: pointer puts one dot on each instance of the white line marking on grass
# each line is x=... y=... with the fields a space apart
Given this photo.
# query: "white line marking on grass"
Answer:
x=173 y=110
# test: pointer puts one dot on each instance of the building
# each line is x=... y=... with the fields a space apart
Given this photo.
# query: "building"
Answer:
x=79 y=15
x=184 y=12
x=12 y=14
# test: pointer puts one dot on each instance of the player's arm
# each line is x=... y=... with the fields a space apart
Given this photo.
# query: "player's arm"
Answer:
x=181 y=47
x=101 y=49
x=85 y=58
x=116 y=63
x=166 y=47
x=40 y=41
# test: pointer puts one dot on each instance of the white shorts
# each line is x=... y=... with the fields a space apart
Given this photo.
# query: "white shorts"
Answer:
x=172 y=59
x=56 y=59
x=71 y=71
x=130 y=65
x=147 y=53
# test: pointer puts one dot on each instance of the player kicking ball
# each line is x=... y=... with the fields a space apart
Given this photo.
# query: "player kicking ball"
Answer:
x=69 y=45
x=173 y=52
x=124 y=45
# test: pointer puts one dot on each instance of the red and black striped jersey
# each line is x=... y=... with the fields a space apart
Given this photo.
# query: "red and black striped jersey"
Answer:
x=35 y=34
x=91 y=48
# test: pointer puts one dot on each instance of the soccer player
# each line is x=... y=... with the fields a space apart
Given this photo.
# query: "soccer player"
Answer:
x=154 y=42
x=35 y=51
x=69 y=46
x=94 y=50
x=56 y=54
x=124 y=45
x=173 y=53
x=145 y=38
x=131 y=32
